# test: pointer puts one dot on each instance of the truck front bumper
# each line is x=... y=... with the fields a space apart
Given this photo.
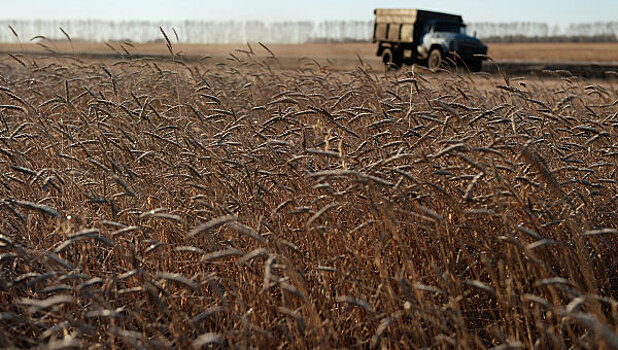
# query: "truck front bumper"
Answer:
x=469 y=53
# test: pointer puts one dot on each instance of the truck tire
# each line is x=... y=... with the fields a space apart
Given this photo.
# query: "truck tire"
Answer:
x=391 y=59
x=434 y=61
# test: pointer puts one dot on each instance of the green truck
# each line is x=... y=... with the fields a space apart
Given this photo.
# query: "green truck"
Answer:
x=407 y=36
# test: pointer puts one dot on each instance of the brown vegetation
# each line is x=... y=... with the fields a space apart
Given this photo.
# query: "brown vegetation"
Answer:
x=167 y=205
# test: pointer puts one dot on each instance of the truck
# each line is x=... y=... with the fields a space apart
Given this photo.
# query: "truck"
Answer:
x=432 y=39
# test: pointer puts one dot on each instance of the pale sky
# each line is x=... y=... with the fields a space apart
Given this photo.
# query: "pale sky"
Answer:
x=560 y=12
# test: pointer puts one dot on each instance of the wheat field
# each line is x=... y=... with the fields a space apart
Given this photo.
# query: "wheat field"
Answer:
x=150 y=204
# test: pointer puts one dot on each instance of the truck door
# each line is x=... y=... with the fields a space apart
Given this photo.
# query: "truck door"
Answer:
x=424 y=39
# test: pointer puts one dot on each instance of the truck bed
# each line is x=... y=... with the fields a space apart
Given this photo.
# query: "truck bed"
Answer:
x=398 y=25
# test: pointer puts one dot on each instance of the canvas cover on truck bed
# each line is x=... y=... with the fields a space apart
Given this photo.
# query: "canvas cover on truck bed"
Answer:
x=399 y=25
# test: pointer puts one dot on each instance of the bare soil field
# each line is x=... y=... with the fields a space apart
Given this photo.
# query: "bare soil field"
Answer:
x=556 y=52
x=213 y=50
x=546 y=52
x=167 y=205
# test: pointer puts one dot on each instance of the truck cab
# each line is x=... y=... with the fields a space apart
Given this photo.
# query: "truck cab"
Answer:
x=407 y=36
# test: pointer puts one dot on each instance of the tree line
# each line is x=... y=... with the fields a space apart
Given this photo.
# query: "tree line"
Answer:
x=293 y=32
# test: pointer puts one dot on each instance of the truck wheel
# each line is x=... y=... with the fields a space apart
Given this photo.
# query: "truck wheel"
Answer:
x=390 y=60
x=434 y=61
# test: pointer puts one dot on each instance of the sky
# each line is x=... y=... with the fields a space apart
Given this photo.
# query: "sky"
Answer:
x=561 y=12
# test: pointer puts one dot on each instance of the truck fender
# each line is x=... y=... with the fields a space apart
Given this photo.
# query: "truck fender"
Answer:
x=426 y=47
x=438 y=46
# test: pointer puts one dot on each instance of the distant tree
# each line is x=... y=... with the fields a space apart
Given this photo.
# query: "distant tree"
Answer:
x=222 y=32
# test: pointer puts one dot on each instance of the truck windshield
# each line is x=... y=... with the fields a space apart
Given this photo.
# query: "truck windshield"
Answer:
x=451 y=27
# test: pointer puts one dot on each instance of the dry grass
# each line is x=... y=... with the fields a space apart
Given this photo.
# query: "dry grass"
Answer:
x=168 y=205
